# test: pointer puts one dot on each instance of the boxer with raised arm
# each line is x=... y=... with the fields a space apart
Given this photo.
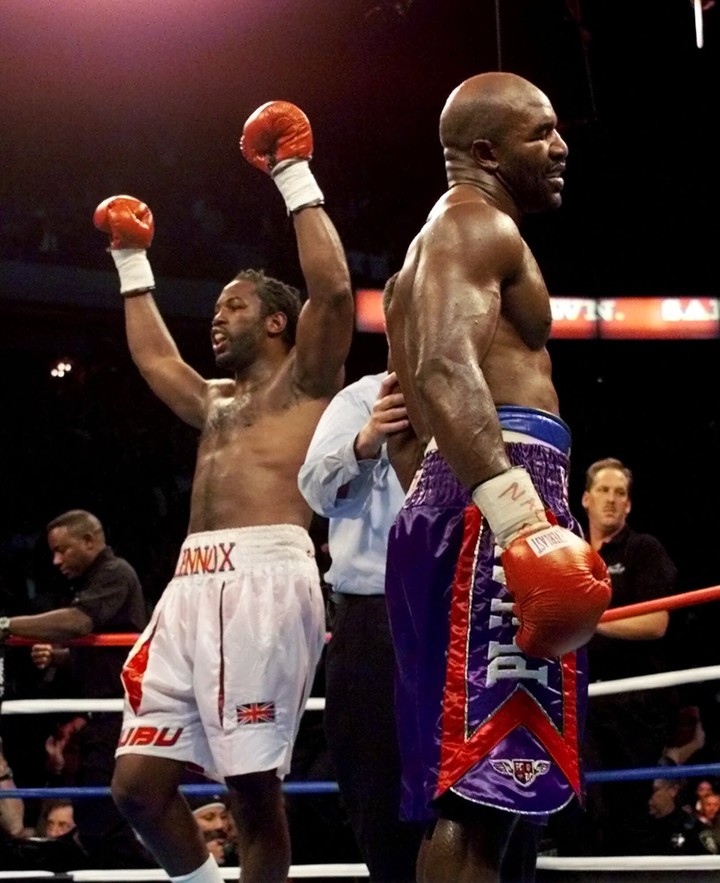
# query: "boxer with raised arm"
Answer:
x=490 y=590
x=221 y=674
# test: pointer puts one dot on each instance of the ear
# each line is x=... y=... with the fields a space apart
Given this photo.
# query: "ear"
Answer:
x=585 y=499
x=483 y=152
x=275 y=324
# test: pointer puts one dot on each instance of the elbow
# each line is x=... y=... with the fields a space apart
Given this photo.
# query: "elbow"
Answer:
x=433 y=378
x=658 y=626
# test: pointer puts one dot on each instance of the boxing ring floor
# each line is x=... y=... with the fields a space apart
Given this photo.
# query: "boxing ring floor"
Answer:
x=550 y=868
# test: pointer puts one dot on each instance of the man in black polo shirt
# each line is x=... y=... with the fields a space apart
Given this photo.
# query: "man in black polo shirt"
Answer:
x=623 y=730
x=107 y=598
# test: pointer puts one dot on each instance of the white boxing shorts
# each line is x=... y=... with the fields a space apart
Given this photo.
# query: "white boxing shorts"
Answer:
x=220 y=677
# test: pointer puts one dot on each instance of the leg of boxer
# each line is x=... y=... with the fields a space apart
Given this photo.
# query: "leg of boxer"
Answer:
x=467 y=851
x=257 y=806
x=145 y=789
x=107 y=838
x=518 y=865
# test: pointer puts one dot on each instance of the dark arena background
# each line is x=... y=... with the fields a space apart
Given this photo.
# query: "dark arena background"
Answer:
x=149 y=99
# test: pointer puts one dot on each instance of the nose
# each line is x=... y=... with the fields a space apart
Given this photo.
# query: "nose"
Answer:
x=559 y=147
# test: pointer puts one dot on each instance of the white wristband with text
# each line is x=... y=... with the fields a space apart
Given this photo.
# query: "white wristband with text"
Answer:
x=297 y=184
x=133 y=269
x=509 y=503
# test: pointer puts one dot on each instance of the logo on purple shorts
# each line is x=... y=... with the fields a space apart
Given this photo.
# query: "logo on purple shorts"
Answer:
x=524 y=772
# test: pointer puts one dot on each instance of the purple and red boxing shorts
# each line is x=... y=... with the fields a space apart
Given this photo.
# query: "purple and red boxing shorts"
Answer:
x=476 y=717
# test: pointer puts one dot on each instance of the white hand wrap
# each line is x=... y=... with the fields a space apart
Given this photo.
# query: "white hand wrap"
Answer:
x=509 y=503
x=297 y=184
x=133 y=269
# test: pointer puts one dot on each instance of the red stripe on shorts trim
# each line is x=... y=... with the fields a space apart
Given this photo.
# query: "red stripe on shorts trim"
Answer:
x=460 y=750
x=133 y=672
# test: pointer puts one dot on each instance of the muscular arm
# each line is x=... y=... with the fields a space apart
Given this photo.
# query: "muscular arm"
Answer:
x=647 y=627
x=55 y=625
x=157 y=357
x=325 y=327
x=466 y=255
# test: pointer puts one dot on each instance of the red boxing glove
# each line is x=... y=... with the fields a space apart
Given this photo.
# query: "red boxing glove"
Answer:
x=560 y=586
x=128 y=221
x=559 y=583
x=276 y=131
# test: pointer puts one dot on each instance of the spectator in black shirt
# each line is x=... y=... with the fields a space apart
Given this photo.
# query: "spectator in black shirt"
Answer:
x=630 y=729
x=107 y=598
x=675 y=829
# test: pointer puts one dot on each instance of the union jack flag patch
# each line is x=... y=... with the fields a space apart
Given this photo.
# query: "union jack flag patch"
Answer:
x=255 y=713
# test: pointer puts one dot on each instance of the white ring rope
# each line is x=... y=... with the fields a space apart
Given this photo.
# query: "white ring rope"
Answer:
x=654 y=682
x=317 y=703
x=41 y=706
x=637 y=863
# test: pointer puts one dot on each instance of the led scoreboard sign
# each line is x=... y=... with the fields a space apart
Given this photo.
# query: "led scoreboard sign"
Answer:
x=579 y=318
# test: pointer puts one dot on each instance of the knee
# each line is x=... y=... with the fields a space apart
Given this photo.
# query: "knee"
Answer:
x=134 y=795
x=256 y=795
x=125 y=793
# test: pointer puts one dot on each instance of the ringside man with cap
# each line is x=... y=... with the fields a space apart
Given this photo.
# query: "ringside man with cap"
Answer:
x=491 y=591
x=221 y=674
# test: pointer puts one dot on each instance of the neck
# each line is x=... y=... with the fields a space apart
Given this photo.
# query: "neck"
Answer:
x=257 y=374
x=598 y=536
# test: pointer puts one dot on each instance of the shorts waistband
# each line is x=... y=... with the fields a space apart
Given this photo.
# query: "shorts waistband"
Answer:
x=265 y=540
x=529 y=426
x=541 y=425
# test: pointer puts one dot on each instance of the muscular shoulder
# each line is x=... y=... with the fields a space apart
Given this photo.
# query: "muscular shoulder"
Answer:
x=476 y=230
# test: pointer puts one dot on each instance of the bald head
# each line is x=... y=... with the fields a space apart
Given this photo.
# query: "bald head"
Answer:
x=486 y=106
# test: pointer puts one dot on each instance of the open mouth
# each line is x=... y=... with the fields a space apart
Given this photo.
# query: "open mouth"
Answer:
x=219 y=341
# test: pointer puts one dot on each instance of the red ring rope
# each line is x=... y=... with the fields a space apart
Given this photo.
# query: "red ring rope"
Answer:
x=671 y=602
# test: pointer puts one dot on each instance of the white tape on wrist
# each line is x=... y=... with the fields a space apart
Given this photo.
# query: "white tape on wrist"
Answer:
x=133 y=269
x=297 y=184
x=509 y=503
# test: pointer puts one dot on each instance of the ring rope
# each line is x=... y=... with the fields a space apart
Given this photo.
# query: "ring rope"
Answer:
x=670 y=602
x=317 y=703
x=69 y=791
x=56 y=706
x=326 y=787
x=637 y=863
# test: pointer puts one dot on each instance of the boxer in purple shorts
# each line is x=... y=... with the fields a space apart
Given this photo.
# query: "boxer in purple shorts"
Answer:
x=491 y=591
x=477 y=718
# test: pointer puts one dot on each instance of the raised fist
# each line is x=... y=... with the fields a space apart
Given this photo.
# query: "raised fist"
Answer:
x=276 y=131
x=128 y=221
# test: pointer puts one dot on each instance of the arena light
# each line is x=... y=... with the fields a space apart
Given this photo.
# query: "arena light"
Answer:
x=61 y=368
x=698 y=11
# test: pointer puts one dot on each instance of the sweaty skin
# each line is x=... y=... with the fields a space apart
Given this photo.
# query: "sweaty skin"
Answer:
x=467 y=324
x=470 y=314
x=255 y=427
